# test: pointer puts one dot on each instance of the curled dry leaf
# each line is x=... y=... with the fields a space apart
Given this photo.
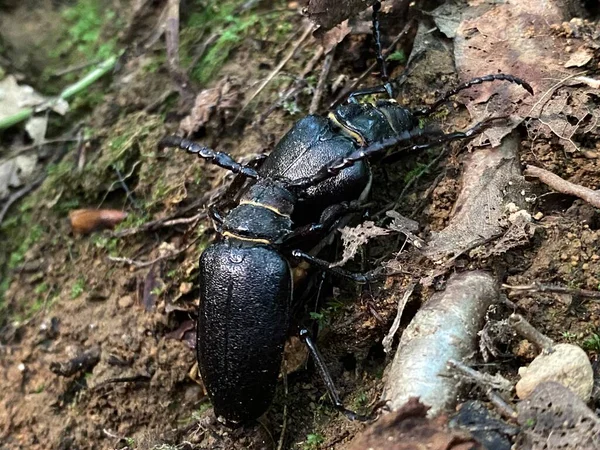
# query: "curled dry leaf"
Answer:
x=84 y=221
x=333 y=37
x=517 y=38
x=353 y=238
x=408 y=428
x=223 y=99
x=328 y=13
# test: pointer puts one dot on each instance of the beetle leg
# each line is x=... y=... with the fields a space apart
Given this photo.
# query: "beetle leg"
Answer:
x=461 y=87
x=336 y=166
x=357 y=277
x=219 y=158
x=322 y=368
x=327 y=222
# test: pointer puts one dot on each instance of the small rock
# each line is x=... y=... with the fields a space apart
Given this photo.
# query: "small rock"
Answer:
x=567 y=364
x=538 y=215
x=125 y=302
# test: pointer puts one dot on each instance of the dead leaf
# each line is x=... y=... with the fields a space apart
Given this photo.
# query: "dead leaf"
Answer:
x=15 y=171
x=333 y=37
x=15 y=97
x=36 y=128
x=329 y=13
x=354 y=238
x=580 y=58
x=515 y=38
x=223 y=99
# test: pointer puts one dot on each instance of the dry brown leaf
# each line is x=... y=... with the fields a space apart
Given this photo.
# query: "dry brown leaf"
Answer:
x=354 y=238
x=515 y=38
x=333 y=37
x=222 y=99
x=328 y=13
x=580 y=58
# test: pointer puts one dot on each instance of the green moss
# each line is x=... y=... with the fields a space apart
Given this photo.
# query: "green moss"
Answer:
x=313 y=441
x=78 y=287
x=87 y=21
x=592 y=343
x=17 y=256
x=222 y=18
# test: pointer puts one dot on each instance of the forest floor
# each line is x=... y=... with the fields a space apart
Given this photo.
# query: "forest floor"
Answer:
x=126 y=297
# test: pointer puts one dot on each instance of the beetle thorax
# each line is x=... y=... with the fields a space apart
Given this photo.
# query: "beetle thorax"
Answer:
x=263 y=214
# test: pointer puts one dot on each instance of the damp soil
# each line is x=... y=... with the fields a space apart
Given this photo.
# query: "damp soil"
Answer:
x=65 y=294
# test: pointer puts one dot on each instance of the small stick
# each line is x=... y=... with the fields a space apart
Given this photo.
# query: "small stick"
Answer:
x=19 y=194
x=526 y=330
x=387 y=340
x=539 y=287
x=307 y=31
x=489 y=383
x=141 y=264
x=566 y=187
x=316 y=100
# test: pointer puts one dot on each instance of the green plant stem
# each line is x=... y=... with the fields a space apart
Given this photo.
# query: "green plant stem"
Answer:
x=68 y=92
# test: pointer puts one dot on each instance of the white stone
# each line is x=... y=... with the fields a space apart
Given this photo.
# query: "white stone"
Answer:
x=567 y=364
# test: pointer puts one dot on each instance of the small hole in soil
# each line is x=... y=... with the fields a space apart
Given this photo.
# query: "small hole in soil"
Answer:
x=376 y=354
x=349 y=362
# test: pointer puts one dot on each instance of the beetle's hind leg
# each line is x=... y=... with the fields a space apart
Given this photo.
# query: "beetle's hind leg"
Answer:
x=324 y=372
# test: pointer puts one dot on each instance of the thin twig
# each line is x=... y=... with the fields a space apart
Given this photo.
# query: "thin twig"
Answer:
x=165 y=221
x=316 y=100
x=141 y=264
x=526 y=330
x=299 y=84
x=566 y=187
x=389 y=338
x=489 y=383
x=282 y=63
x=19 y=194
x=539 y=287
x=284 y=424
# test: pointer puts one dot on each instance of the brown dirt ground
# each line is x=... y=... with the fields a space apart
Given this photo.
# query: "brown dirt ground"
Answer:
x=140 y=395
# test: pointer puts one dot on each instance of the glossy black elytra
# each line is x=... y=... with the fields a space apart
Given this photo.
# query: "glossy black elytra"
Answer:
x=315 y=175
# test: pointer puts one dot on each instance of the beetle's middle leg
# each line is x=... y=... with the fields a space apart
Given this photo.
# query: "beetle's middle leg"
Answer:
x=326 y=266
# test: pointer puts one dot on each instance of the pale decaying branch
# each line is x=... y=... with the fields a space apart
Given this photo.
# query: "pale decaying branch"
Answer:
x=563 y=186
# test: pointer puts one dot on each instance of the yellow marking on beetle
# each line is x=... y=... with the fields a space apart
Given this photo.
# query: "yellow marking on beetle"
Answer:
x=262 y=205
x=348 y=131
x=243 y=238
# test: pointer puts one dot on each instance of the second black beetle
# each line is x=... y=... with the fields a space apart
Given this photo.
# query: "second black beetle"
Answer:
x=300 y=190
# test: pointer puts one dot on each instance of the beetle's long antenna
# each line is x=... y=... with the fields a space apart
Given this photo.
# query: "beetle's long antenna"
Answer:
x=218 y=158
x=377 y=38
x=336 y=166
x=461 y=87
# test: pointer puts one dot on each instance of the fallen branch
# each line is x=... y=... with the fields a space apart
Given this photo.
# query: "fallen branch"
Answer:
x=539 y=287
x=527 y=331
x=563 y=186
x=316 y=100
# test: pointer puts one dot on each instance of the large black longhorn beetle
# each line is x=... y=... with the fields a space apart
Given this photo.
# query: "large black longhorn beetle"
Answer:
x=319 y=168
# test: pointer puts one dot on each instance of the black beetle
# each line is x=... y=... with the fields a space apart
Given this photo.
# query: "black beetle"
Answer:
x=245 y=277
